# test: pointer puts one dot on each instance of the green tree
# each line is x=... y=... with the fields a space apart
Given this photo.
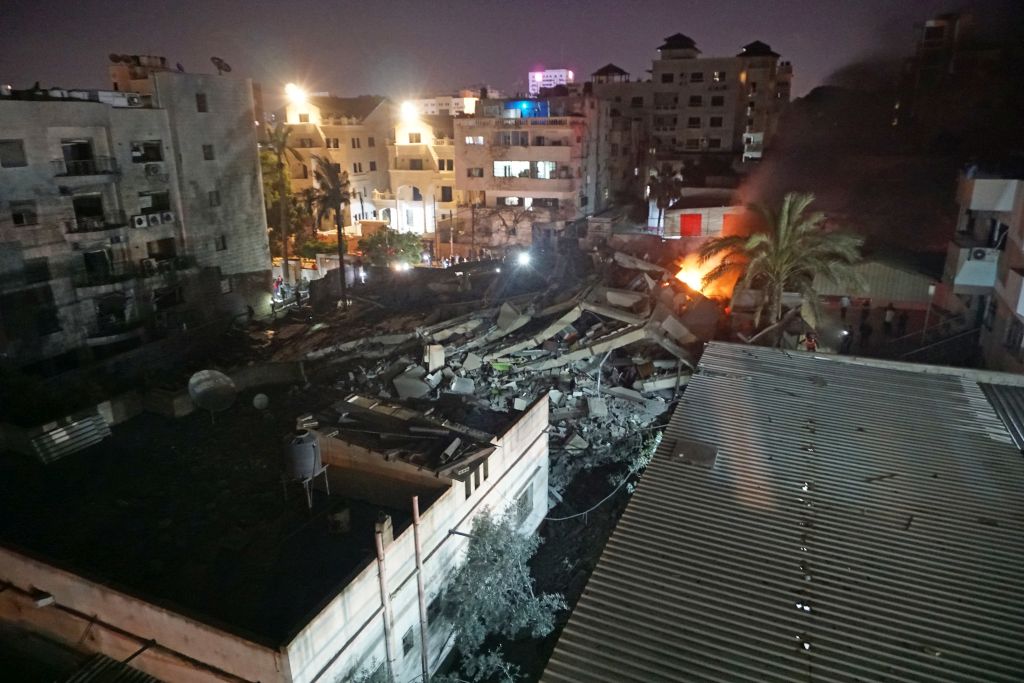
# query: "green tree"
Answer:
x=332 y=195
x=785 y=254
x=492 y=593
x=664 y=188
x=277 y=141
x=389 y=246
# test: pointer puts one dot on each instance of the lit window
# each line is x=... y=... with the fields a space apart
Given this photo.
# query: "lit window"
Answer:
x=414 y=138
x=719 y=76
x=303 y=118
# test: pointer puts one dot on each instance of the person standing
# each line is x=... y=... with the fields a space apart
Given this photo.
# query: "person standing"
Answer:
x=890 y=315
x=847 y=343
x=844 y=305
x=901 y=324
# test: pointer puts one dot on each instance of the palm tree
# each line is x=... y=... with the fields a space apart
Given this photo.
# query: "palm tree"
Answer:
x=786 y=254
x=665 y=188
x=332 y=194
x=277 y=140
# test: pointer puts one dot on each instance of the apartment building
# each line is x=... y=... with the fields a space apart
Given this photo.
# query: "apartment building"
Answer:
x=548 y=78
x=985 y=262
x=421 y=173
x=351 y=132
x=533 y=165
x=126 y=215
x=256 y=586
x=694 y=106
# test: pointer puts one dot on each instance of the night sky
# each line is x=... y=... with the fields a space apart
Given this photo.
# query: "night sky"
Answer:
x=405 y=48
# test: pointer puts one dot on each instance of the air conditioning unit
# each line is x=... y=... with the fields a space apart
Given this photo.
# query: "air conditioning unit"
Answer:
x=148 y=266
x=134 y=101
x=140 y=221
x=167 y=216
x=154 y=219
x=116 y=239
x=154 y=170
x=982 y=254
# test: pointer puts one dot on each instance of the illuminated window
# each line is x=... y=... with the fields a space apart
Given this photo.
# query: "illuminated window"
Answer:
x=545 y=170
x=718 y=76
x=303 y=118
x=414 y=138
x=511 y=169
x=474 y=173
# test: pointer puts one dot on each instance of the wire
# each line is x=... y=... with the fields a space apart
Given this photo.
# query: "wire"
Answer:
x=596 y=505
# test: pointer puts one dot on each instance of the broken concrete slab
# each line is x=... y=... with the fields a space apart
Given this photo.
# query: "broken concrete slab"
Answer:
x=625 y=298
x=410 y=383
x=661 y=382
x=507 y=315
x=472 y=362
x=627 y=261
x=433 y=356
x=600 y=346
x=555 y=396
x=463 y=385
x=520 y=404
x=596 y=407
x=677 y=330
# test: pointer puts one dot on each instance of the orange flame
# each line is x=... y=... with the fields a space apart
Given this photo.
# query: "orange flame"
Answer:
x=692 y=272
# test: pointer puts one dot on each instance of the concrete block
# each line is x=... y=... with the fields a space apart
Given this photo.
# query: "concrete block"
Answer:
x=597 y=407
x=463 y=385
x=472 y=362
x=520 y=404
x=433 y=356
x=555 y=396
x=507 y=316
x=410 y=384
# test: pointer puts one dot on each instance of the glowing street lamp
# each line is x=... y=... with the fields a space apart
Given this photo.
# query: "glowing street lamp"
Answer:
x=409 y=112
x=523 y=259
x=294 y=93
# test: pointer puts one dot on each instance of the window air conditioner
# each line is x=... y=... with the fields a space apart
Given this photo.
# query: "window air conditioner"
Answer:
x=154 y=170
x=140 y=221
x=148 y=266
x=154 y=219
x=167 y=216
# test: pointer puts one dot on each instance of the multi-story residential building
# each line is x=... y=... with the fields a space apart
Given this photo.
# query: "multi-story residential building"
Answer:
x=235 y=582
x=694 y=107
x=548 y=78
x=351 y=132
x=421 y=172
x=985 y=262
x=126 y=214
x=534 y=164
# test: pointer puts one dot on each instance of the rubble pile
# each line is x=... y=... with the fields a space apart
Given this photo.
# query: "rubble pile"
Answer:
x=612 y=355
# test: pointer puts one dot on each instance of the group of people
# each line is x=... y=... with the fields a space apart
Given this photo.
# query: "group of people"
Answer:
x=482 y=255
x=893 y=324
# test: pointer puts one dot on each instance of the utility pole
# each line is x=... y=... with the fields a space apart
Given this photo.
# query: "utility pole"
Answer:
x=472 y=227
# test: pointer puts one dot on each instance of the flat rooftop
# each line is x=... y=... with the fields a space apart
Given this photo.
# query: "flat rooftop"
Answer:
x=813 y=517
x=190 y=514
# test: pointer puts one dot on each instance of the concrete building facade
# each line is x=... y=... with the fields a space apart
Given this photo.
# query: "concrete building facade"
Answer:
x=548 y=78
x=694 y=107
x=126 y=214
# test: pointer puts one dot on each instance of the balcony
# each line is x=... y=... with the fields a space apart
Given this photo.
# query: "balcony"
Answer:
x=971 y=266
x=63 y=168
x=164 y=269
x=1012 y=290
x=108 y=221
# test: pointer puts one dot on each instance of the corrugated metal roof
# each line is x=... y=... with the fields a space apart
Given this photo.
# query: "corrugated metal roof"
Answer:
x=1008 y=402
x=103 y=669
x=835 y=522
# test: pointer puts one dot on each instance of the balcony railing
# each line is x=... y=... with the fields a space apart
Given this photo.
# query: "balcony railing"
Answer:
x=123 y=271
x=111 y=219
x=84 y=167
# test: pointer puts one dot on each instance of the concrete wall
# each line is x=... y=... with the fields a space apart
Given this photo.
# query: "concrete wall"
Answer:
x=86 y=615
x=348 y=634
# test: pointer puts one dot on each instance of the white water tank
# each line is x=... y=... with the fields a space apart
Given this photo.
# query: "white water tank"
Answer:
x=302 y=455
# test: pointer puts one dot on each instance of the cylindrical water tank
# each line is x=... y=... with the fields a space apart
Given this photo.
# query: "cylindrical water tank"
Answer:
x=302 y=455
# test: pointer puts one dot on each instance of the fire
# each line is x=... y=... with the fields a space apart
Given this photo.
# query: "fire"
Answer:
x=692 y=272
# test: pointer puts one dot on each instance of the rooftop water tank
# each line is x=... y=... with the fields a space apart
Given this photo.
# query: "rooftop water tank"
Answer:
x=302 y=455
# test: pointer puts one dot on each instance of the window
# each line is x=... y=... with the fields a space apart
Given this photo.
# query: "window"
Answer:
x=697 y=77
x=433 y=609
x=524 y=503
x=355 y=143
x=693 y=122
x=447 y=164
x=407 y=642
x=208 y=153
x=546 y=203
x=201 y=105
x=303 y=172
x=509 y=201
x=220 y=243
x=36 y=270
x=468 y=484
x=717 y=101
x=476 y=478
x=753 y=87
x=154 y=202
x=24 y=213
x=486 y=468
x=715 y=122
x=636 y=102
x=145 y=151
x=214 y=197
x=12 y=153
x=718 y=76
x=370 y=142
x=415 y=164
x=331 y=143
x=373 y=165
x=715 y=143
x=306 y=142
x=414 y=138
x=750 y=122
x=446 y=193
x=515 y=138
x=303 y=118
x=693 y=143
x=545 y=170
x=474 y=173
x=667 y=78
x=357 y=167
x=1014 y=335
x=696 y=101
x=511 y=169
x=584 y=201
x=225 y=285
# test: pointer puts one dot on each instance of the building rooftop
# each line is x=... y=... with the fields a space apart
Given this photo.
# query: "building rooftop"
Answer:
x=349 y=107
x=812 y=516
x=677 y=41
x=610 y=70
x=191 y=514
x=757 y=49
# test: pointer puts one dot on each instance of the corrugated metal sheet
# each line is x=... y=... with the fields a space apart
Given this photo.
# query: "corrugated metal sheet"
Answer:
x=842 y=523
x=1009 y=405
x=103 y=669
x=885 y=282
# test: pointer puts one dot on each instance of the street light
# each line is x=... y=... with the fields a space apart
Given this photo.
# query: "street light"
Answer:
x=523 y=258
x=408 y=110
x=294 y=93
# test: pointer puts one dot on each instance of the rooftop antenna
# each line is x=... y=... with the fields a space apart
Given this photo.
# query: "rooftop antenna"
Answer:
x=212 y=390
x=221 y=65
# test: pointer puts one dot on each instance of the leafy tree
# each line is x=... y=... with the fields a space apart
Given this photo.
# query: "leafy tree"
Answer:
x=665 y=187
x=492 y=593
x=332 y=195
x=310 y=248
x=389 y=246
x=277 y=140
x=786 y=254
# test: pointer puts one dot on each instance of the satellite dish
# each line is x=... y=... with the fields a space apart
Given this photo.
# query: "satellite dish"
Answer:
x=114 y=57
x=127 y=59
x=260 y=401
x=211 y=390
x=220 y=65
